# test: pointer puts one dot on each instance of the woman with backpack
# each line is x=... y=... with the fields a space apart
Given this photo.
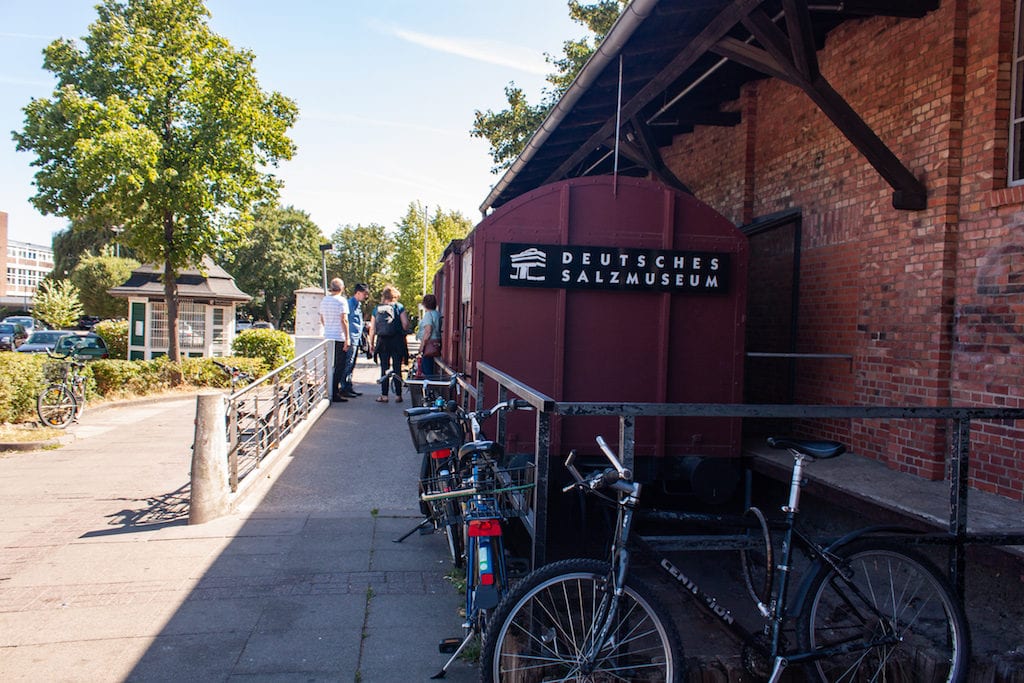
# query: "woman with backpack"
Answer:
x=390 y=323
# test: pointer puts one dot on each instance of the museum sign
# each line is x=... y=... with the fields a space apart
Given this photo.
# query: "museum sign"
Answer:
x=615 y=268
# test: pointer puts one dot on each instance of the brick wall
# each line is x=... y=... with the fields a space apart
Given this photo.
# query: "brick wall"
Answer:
x=929 y=303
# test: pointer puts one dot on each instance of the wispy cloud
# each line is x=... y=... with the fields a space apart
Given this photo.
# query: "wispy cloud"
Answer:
x=487 y=51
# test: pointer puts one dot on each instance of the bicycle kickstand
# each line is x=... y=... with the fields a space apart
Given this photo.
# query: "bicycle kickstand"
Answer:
x=422 y=525
x=780 y=665
x=445 y=647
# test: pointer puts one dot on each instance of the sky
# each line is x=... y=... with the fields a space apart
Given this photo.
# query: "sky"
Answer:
x=386 y=91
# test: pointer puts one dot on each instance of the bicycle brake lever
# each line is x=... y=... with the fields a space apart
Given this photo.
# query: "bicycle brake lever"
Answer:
x=608 y=453
x=570 y=465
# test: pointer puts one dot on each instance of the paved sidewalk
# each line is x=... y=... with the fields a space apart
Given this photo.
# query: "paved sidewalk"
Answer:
x=102 y=579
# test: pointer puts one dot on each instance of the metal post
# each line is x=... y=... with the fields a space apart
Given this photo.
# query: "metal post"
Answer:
x=324 y=248
x=958 y=485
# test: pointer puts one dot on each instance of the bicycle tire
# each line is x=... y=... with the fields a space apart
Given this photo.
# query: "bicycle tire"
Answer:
x=56 y=406
x=453 y=533
x=759 y=571
x=558 y=601
x=933 y=643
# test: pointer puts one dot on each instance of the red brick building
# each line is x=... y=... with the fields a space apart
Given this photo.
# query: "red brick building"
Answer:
x=872 y=152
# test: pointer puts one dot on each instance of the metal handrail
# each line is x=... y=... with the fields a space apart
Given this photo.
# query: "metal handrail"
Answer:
x=263 y=413
x=958 y=465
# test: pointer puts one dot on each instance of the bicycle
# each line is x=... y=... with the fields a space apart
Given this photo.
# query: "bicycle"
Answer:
x=868 y=608
x=63 y=399
x=475 y=503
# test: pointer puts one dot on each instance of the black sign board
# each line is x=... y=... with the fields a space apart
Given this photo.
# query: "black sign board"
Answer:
x=577 y=267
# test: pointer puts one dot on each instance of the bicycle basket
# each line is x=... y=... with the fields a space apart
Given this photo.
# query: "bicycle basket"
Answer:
x=435 y=432
x=55 y=371
x=499 y=492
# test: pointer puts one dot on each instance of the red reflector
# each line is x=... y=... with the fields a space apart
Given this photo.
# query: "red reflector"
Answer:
x=487 y=579
x=441 y=454
x=484 y=527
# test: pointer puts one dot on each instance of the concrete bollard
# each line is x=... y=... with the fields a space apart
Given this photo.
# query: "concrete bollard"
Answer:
x=209 y=489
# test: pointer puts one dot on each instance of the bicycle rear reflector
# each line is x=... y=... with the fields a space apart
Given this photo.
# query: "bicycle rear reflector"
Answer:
x=485 y=527
x=442 y=454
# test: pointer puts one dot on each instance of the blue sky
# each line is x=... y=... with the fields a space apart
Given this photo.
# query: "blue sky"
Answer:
x=386 y=91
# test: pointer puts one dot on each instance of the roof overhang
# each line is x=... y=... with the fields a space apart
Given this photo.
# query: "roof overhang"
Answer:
x=667 y=66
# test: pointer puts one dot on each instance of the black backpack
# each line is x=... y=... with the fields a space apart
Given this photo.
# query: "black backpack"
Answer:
x=387 y=321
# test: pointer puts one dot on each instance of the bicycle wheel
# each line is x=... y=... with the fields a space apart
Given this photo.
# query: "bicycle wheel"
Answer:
x=56 y=406
x=542 y=628
x=887 y=593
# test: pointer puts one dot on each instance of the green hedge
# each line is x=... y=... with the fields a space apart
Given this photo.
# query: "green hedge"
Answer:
x=115 y=334
x=22 y=378
x=273 y=346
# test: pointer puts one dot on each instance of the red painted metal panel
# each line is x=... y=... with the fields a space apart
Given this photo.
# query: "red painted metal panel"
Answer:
x=639 y=345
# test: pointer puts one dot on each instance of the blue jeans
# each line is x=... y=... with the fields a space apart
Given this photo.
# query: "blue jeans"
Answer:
x=350 y=366
x=427 y=366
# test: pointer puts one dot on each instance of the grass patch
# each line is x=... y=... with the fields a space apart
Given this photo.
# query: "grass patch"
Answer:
x=26 y=433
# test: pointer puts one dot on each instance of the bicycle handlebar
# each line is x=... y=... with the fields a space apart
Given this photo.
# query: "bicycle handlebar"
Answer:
x=233 y=372
x=616 y=476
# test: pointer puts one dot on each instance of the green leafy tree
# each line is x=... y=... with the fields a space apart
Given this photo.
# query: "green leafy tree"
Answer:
x=280 y=254
x=161 y=122
x=94 y=275
x=57 y=303
x=441 y=228
x=363 y=253
x=508 y=130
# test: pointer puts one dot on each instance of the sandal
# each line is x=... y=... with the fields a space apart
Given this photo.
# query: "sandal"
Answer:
x=382 y=399
x=398 y=399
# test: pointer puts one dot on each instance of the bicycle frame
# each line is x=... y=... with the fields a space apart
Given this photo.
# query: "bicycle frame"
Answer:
x=776 y=612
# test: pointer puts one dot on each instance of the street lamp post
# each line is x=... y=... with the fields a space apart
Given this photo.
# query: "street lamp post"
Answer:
x=117 y=230
x=324 y=248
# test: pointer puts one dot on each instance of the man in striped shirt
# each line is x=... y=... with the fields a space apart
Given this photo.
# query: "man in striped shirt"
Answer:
x=334 y=318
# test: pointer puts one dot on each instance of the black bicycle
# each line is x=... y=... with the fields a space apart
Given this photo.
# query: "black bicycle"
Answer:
x=868 y=609
x=63 y=399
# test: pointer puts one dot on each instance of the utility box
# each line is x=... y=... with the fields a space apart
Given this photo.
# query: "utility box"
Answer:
x=607 y=290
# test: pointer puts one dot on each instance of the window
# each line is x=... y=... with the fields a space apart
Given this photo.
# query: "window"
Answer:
x=1016 y=155
x=191 y=325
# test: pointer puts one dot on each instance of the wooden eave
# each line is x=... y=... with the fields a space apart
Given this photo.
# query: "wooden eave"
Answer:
x=680 y=66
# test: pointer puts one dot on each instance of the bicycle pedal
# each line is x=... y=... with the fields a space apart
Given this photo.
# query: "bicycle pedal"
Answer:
x=448 y=646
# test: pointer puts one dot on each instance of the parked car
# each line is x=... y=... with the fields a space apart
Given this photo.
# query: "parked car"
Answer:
x=262 y=325
x=87 y=345
x=12 y=335
x=242 y=325
x=28 y=322
x=41 y=341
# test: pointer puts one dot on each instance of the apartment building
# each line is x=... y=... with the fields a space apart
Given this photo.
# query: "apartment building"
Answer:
x=24 y=266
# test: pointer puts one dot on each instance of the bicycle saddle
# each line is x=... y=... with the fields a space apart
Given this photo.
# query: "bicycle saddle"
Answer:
x=819 y=450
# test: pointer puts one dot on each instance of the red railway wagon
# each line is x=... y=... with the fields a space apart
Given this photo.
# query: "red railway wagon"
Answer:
x=597 y=289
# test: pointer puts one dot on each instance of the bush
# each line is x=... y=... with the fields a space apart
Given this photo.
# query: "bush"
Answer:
x=22 y=378
x=21 y=381
x=274 y=347
x=115 y=334
x=202 y=372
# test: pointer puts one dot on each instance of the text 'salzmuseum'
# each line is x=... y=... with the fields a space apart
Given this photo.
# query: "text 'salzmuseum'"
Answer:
x=581 y=267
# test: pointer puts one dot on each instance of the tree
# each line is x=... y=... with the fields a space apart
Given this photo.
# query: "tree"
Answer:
x=364 y=254
x=94 y=275
x=161 y=123
x=509 y=129
x=57 y=303
x=280 y=254
x=441 y=228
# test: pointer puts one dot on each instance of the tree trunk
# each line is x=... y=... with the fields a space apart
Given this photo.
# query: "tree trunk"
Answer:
x=171 y=289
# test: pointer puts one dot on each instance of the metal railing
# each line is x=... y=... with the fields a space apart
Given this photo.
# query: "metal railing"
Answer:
x=957 y=464
x=263 y=413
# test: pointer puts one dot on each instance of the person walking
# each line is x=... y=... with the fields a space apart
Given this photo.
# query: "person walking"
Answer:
x=355 y=334
x=334 y=318
x=390 y=323
x=429 y=334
